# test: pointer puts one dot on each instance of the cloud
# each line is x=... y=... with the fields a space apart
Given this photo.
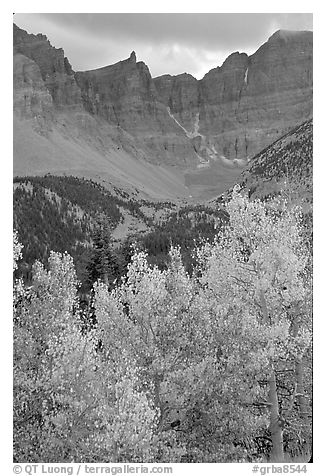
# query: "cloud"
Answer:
x=167 y=43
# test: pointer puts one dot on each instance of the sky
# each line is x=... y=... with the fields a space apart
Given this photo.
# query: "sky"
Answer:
x=169 y=43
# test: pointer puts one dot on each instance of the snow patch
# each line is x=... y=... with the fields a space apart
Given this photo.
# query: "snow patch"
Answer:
x=211 y=151
x=195 y=132
x=201 y=159
x=177 y=122
x=246 y=76
x=203 y=165
x=196 y=127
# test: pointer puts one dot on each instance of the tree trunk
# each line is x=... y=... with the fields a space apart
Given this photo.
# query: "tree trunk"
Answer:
x=277 y=455
x=299 y=378
x=303 y=404
x=300 y=390
x=275 y=428
x=115 y=455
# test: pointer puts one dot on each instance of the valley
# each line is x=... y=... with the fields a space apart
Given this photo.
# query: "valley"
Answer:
x=282 y=169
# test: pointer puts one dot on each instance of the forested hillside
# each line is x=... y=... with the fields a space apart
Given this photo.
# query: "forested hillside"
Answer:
x=286 y=166
x=64 y=214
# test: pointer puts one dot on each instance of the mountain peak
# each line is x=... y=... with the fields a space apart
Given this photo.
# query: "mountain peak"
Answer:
x=289 y=34
x=132 y=57
x=235 y=59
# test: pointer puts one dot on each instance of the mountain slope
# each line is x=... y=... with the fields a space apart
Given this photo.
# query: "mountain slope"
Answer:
x=286 y=164
x=286 y=167
x=84 y=146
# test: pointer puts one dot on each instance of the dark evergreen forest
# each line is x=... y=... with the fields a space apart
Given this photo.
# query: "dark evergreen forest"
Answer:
x=78 y=216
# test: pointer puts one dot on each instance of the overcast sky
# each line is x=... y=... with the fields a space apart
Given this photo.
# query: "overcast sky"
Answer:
x=169 y=43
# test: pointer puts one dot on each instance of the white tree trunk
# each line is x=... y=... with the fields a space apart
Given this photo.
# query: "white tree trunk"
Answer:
x=277 y=454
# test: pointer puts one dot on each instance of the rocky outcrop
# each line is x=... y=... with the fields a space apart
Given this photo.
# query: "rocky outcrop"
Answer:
x=31 y=97
x=225 y=84
x=54 y=67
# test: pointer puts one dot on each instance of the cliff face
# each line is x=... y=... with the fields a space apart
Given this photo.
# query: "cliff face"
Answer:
x=120 y=93
x=249 y=101
x=179 y=93
x=31 y=97
x=55 y=69
x=124 y=94
x=283 y=63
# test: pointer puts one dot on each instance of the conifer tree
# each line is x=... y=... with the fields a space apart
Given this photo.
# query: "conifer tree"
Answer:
x=103 y=263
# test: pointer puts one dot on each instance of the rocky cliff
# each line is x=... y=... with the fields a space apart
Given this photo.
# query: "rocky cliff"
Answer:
x=249 y=101
x=55 y=69
x=124 y=94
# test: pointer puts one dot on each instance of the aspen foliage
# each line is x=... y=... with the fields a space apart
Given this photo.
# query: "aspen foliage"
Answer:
x=177 y=368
